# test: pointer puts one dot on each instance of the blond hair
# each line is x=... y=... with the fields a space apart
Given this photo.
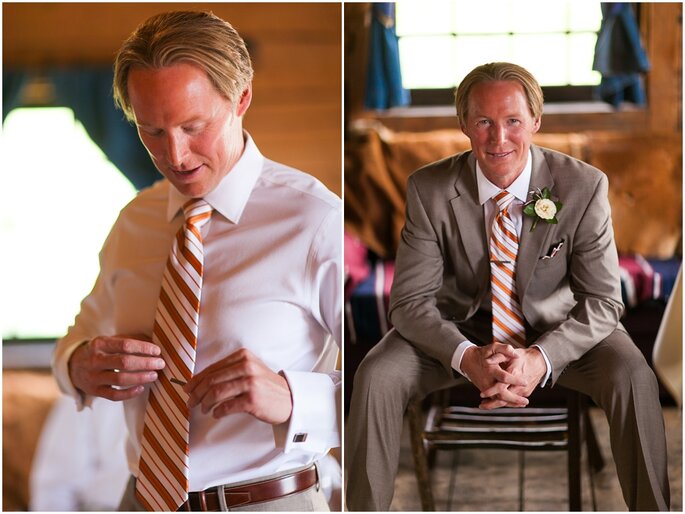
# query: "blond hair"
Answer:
x=499 y=71
x=194 y=37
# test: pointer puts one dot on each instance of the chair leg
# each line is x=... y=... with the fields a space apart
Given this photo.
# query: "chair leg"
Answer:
x=522 y=480
x=575 y=414
x=453 y=477
x=419 y=454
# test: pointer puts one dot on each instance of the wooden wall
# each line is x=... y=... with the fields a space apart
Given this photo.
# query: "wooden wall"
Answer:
x=296 y=113
x=662 y=34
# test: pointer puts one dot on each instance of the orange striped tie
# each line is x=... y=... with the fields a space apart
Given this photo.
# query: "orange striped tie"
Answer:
x=162 y=483
x=507 y=317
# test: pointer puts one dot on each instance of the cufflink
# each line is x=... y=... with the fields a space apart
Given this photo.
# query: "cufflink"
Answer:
x=299 y=438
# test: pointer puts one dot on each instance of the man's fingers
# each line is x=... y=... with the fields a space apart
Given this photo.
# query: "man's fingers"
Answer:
x=202 y=382
x=507 y=395
x=505 y=377
x=494 y=390
x=505 y=349
x=126 y=379
x=136 y=363
x=231 y=361
x=126 y=362
x=500 y=394
x=120 y=344
x=497 y=359
x=221 y=392
x=490 y=404
x=105 y=361
x=117 y=395
x=240 y=403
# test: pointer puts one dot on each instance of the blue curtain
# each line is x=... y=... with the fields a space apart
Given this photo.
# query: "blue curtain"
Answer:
x=384 y=79
x=89 y=94
x=12 y=85
x=619 y=56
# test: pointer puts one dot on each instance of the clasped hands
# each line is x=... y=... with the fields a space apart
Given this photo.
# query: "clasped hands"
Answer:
x=504 y=375
x=118 y=368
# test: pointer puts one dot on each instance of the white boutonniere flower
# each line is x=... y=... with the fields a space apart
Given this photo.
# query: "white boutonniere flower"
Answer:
x=542 y=207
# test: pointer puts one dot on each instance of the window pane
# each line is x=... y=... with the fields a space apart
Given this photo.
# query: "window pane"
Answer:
x=414 y=18
x=427 y=62
x=473 y=51
x=51 y=243
x=581 y=55
x=477 y=17
x=553 y=39
x=544 y=56
x=539 y=16
x=585 y=16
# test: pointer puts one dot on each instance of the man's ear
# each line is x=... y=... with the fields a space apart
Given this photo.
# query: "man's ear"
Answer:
x=245 y=100
x=536 y=124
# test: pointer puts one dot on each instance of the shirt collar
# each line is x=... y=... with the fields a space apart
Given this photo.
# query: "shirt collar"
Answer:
x=230 y=196
x=518 y=188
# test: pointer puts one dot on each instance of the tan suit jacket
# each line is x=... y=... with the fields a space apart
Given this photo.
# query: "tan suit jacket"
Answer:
x=442 y=276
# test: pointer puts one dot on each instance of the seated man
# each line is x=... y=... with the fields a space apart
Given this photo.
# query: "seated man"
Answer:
x=506 y=273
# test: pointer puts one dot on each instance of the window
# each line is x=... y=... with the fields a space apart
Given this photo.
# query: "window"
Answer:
x=60 y=197
x=555 y=41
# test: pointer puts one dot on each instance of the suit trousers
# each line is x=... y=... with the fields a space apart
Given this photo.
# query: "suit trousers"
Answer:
x=613 y=373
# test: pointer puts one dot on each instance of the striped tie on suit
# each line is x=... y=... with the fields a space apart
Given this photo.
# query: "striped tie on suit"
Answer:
x=507 y=317
x=162 y=483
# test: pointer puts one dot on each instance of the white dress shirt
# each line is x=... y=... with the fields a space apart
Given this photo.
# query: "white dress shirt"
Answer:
x=272 y=284
x=486 y=191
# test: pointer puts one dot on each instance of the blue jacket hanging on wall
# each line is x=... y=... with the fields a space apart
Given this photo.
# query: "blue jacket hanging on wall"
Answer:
x=619 y=56
x=384 y=78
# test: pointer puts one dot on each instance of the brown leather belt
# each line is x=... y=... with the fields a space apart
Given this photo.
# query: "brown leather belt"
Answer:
x=209 y=500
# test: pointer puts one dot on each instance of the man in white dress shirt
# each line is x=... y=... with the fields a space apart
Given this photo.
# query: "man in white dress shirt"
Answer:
x=264 y=391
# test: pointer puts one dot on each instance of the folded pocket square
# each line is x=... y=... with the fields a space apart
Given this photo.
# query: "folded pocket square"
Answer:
x=553 y=250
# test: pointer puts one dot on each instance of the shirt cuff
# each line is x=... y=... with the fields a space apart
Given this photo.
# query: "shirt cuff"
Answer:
x=313 y=423
x=458 y=355
x=548 y=373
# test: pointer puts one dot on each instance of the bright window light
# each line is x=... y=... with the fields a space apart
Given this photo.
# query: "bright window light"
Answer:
x=440 y=44
x=60 y=197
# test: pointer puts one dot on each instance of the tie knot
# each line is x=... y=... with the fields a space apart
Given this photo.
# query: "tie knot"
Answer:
x=503 y=199
x=197 y=212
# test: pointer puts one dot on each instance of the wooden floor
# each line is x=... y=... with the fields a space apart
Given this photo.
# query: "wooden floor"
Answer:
x=487 y=480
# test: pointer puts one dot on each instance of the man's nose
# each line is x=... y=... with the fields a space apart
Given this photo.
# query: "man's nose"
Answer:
x=498 y=133
x=177 y=150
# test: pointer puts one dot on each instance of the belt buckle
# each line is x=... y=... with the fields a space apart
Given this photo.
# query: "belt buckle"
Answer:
x=222 y=498
x=318 y=474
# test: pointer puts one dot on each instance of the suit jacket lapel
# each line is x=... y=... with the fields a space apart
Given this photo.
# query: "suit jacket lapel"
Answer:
x=469 y=217
x=531 y=244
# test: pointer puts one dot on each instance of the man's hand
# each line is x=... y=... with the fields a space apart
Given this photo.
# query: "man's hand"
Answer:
x=528 y=365
x=486 y=367
x=241 y=383
x=103 y=362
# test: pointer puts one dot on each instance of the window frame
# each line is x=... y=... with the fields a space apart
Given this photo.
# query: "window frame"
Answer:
x=552 y=94
x=427 y=97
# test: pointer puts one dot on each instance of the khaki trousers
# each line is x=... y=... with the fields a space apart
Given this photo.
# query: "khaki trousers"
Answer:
x=309 y=500
x=614 y=374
